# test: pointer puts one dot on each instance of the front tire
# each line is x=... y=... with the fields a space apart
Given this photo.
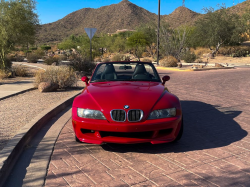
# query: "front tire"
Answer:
x=77 y=140
x=180 y=132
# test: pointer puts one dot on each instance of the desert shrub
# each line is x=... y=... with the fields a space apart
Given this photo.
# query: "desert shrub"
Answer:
x=117 y=57
x=50 y=60
x=189 y=57
x=45 y=47
x=241 y=51
x=3 y=74
x=225 y=51
x=235 y=51
x=98 y=59
x=82 y=64
x=125 y=58
x=106 y=60
x=40 y=53
x=106 y=55
x=63 y=76
x=32 y=58
x=73 y=57
x=200 y=51
x=20 y=70
x=199 y=60
x=146 y=60
x=11 y=57
x=8 y=64
x=19 y=58
x=145 y=54
x=169 y=61
x=15 y=58
x=62 y=57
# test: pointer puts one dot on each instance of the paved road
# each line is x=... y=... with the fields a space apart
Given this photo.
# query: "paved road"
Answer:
x=214 y=150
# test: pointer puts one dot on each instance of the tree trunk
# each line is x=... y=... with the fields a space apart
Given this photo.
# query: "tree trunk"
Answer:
x=216 y=49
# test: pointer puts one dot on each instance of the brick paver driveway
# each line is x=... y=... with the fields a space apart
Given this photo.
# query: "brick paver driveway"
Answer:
x=214 y=150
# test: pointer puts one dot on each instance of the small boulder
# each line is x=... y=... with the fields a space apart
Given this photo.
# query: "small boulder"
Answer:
x=217 y=65
x=179 y=65
x=47 y=87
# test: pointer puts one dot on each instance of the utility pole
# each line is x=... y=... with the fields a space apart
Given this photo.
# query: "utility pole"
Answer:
x=158 y=30
x=90 y=32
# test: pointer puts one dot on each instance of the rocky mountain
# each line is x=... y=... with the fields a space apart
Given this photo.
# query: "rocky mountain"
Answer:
x=181 y=16
x=109 y=19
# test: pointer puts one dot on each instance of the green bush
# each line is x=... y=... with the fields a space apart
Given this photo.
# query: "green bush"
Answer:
x=45 y=47
x=8 y=64
x=63 y=76
x=33 y=48
x=32 y=58
x=241 y=52
x=189 y=57
x=82 y=64
x=235 y=51
x=169 y=61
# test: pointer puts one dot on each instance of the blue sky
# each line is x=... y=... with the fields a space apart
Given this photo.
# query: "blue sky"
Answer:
x=51 y=10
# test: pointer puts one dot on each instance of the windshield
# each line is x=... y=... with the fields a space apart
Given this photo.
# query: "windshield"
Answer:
x=128 y=71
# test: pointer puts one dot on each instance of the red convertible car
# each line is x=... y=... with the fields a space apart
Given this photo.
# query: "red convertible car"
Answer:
x=126 y=102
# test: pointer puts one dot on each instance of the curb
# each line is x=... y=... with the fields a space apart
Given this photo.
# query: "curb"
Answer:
x=204 y=69
x=17 y=93
x=13 y=149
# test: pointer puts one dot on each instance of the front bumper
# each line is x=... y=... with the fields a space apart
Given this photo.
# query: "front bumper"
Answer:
x=101 y=131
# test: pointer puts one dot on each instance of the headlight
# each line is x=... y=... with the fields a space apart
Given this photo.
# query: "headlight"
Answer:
x=93 y=114
x=164 y=113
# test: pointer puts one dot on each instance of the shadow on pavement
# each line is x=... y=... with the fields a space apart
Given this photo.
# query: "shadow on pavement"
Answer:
x=205 y=127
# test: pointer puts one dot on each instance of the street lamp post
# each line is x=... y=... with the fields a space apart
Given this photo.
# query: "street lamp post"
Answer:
x=158 y=30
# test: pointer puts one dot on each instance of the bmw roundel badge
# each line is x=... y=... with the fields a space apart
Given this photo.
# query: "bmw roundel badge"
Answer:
x=126 y=107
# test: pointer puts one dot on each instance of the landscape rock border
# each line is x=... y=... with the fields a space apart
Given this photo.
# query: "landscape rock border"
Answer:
x=14 y=148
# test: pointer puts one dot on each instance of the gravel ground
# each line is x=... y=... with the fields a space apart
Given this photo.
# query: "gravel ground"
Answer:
x=19 y=110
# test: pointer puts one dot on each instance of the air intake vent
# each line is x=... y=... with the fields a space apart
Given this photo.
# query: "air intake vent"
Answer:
x=135 y=115
x=118 y=115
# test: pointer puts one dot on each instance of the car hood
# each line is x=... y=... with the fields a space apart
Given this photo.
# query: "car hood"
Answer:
x=115 y=95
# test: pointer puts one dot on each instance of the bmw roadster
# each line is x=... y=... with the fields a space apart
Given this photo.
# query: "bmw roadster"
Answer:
x=126 y=102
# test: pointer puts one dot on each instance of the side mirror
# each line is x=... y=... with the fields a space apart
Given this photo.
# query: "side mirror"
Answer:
x=85 y=79
x=165 y=79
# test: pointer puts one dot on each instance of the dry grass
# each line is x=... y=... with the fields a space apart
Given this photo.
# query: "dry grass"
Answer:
x=169 y=61
x=3 y=74
x=146 y=60
x=63 y=76
x=20 y=70
x=200 y=51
